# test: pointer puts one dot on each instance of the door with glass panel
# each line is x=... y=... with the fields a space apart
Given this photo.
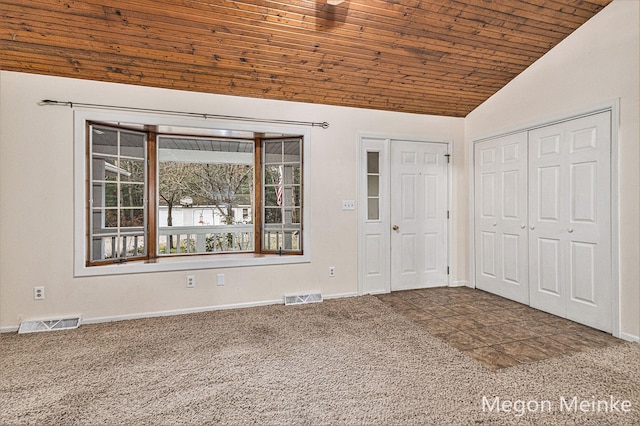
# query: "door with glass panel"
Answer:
x=374 y=254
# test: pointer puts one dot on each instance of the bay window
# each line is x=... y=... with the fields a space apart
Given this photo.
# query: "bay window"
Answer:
x=158 y=192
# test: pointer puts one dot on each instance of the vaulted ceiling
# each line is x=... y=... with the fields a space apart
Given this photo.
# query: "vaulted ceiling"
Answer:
x=442 y=57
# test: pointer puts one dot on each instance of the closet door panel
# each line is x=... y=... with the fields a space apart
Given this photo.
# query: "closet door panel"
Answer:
x=588 y=228
x=570 y=220
x=501 y=216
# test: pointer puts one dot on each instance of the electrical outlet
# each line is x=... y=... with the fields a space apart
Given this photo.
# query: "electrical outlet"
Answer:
x=38 y=293
x=220 y=279
x=191 y=281
x=332 y=271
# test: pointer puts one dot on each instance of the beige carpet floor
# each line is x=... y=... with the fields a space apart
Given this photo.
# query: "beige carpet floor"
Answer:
x=348 y=361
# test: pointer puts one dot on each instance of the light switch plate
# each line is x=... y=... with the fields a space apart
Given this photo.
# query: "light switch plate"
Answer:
x=348 y=205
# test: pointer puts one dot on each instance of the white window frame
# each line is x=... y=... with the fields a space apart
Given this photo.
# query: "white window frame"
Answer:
x=230 y=260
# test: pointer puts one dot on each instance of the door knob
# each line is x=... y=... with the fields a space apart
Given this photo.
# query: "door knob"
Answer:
x=395 y=227
x=523 y=226
x=495 y=223
x=570 y=230
x=532 y=227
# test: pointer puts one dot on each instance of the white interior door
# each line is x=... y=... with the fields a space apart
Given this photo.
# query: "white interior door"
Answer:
x=419 y=186
x=374 y=258
x=500 y=167
x=570 y=220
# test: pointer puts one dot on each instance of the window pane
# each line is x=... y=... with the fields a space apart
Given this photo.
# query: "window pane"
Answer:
x=373 y=163
x=291 y=196
x=272 y=215
x=103 y=247
x=288 y=196
x=111 y=218
x=271 y=196
x=131 y=170
x=292 y=240
x=107 y=170
x=271 y=175
x=373 y=186
x=291 y=175
x=297 y=196
x=132 y=145
x=297 y=216
x=272 y=152
x=291 y=216
x=210 y=183
x=272 y=240
x=131 y=218
x=292 y=151
x=132 y=195
x=104 y=141
x=133 y=245
x=110 y=195
x=373 y=209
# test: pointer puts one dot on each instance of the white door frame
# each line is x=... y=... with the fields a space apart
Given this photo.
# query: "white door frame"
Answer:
x=612 y=106
x=382 y=144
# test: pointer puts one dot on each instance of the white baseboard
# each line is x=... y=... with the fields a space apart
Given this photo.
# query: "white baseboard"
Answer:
x=373 y=293
x=339 y=295
x=98 y=320
x=203 y=309
x=179 y=311
x=460 y=284
x=630 y=337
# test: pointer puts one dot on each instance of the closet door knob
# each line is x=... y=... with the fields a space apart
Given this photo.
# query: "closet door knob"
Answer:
x=523 y=226
x=532 y=227
x=570 y=230
x=495 y=223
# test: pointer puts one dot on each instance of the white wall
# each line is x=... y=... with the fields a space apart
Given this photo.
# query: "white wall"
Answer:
x=596 y=64
x=37 y=170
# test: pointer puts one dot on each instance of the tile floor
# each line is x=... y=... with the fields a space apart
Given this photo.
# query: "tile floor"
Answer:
x=495 y=331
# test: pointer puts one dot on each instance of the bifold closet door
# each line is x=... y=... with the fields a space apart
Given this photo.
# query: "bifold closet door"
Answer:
x=570 y=220
x=501 y=216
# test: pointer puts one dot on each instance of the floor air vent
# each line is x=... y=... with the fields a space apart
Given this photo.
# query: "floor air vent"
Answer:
x=300 y=299
x=48 y=325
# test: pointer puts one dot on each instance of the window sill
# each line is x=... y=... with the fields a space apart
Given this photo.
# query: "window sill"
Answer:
x=177 y=263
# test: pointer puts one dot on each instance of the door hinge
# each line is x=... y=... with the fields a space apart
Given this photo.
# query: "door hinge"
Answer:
x=447 y=214
x=448 y=157
x=447 y=270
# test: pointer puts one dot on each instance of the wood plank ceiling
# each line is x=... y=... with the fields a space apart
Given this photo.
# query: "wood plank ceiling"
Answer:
x=441 y=57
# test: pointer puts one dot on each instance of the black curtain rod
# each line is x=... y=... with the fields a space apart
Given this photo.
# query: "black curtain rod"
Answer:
x=70 y=104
